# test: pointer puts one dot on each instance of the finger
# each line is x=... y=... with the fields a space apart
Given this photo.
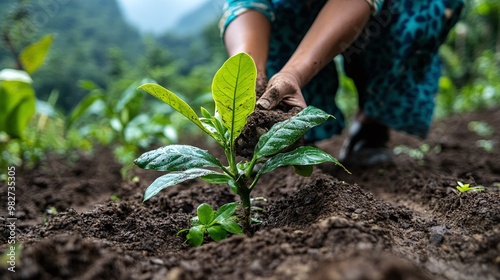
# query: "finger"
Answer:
x=270 y=99
x=295 y=102
x=263 y=103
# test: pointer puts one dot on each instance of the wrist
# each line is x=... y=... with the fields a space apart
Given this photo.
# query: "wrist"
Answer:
x=290 y=75
x=301 y=71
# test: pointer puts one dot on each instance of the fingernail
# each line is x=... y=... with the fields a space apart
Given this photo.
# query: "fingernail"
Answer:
x=264 y=104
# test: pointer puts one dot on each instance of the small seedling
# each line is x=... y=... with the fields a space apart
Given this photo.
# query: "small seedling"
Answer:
x=487 y=145
x=417 y=153
x=467 y=188
x=233 y=90
x=481 y=128
x=50 y=211
x=216 y=224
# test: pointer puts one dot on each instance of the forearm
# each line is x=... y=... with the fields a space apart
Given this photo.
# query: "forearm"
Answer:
x=338 y=23
x=249 y=33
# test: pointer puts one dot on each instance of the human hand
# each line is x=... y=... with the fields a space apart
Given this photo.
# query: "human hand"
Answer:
x=282 y=87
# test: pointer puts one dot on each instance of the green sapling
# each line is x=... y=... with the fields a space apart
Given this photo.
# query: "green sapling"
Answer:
x=233 y=90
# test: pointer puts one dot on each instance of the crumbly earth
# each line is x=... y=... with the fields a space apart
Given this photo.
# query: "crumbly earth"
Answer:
x=258 y=123
x=399 y=222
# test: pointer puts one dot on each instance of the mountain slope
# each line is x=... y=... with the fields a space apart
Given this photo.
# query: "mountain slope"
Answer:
x=85 y=32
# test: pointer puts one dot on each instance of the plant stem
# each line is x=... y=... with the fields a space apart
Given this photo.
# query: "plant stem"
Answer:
x=245 y=202
x=232 y=163
x=250 y=167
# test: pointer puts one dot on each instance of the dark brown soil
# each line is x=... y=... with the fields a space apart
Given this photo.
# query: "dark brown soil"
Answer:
x=400 y=222
x=258 y=123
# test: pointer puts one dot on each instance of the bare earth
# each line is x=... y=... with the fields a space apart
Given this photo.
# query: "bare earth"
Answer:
x=401 y=222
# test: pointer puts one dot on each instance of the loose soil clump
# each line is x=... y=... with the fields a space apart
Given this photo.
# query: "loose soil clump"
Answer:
x=400 y=222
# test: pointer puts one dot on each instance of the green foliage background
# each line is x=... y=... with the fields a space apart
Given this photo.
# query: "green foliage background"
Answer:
x=94 y=42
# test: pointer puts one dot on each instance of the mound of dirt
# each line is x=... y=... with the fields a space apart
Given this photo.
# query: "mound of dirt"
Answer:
x=401 y=222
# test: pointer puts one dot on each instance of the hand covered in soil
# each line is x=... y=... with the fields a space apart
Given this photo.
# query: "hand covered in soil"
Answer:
x=282 y=94
x=282 y=87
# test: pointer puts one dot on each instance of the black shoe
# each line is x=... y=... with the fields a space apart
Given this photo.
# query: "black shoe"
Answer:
x=366 y=146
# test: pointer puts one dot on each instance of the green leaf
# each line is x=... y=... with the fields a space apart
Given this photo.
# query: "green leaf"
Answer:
x=87 y=85
x=177 y=158
x=175 y=102
x=129 y=94
x=285 y=133
x=32 y=56
x=303 y=170
x=301 y=156
x=231 y=226
x=225 y=211
x=217 y=233
x=83 y=106
x=467 y=187
x=233 y=90
x=233 y=187
x=17 y=106
x=205 y=113
x=174 y=178
x=195 y=235
x=205 y=214
x=218 y=178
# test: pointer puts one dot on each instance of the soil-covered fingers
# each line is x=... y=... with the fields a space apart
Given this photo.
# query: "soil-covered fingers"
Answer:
x=282 y=88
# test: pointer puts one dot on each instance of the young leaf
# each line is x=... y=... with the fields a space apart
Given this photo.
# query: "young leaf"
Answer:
x=301 y=156
x=83 y=106
x=176 y=158
x=467 y=187
x=233 y=90
x=17 y=106
x=32 y=56
x=205 y=113
x=303 y=170
x=217 y=233
x=205 y=214
x=285 y=133
x=218 y=178
x=231 y=226
x=233 y=187
x=211 y=126
x=195 y=236
x=225 y=211
x=128 y=95
x=175 y=102
x=174 y=178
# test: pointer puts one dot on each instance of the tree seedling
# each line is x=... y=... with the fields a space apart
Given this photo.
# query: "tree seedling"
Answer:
x=233 y=90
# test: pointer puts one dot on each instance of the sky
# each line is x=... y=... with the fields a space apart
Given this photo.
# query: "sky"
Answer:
x=156 y=16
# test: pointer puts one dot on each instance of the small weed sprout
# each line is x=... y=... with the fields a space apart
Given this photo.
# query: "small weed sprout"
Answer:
x=49 y=211
x=480 y=128
x=417 y=153
x=483 y=129
x=233 y=90
x=462 y=188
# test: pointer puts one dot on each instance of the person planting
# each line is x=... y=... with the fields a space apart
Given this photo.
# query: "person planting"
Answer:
x=389 y=48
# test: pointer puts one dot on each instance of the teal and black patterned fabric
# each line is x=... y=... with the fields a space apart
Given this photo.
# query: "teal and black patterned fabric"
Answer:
x=394 y=63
